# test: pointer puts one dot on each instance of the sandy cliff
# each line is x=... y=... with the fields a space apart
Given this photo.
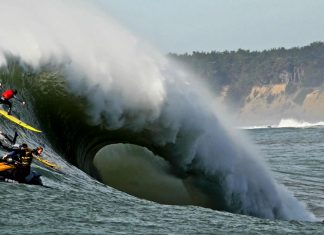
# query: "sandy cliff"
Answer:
x=269 y=104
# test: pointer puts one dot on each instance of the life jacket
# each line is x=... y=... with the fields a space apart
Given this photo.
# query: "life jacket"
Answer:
x=27 y=158
x=8 y=94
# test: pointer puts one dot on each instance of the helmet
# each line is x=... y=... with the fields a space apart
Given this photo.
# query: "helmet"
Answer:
x=23 y=146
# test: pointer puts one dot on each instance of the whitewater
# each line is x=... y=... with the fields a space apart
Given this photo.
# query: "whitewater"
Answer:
x=143 y=142
x=288 y=123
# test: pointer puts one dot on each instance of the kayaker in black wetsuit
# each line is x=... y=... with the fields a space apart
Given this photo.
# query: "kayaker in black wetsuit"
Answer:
x=21 y=158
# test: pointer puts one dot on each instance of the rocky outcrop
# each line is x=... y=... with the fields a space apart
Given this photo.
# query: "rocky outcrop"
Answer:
x=269 y=104
x=314 y=104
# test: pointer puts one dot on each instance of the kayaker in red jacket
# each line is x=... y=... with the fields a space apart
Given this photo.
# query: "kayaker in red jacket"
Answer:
x=6 y=96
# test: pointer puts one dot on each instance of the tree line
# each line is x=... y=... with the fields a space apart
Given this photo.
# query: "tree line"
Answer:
x=242 y=69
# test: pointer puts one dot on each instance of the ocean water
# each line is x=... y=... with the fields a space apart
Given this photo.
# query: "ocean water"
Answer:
x=144 y=146
x=75 y=203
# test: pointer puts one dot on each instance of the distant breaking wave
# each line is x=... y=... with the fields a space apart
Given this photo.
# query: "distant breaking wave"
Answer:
x=297 y=124
x=112 y=105
x=288 y=123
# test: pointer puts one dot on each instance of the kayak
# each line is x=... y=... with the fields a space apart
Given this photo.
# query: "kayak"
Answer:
x=7 y=173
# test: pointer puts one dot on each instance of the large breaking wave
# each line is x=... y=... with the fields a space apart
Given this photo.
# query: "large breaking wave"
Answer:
x=128 y=116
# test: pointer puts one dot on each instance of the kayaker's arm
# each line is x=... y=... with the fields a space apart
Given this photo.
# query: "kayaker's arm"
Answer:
x=21 y=101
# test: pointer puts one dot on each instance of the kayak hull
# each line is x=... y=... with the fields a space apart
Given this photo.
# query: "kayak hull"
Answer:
x=7 y=173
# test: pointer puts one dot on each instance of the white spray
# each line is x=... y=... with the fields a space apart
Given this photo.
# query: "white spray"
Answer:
x=135 y=86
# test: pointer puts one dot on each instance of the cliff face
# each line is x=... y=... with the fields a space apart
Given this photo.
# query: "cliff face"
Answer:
x=267 y=105
x=314 y=104
x=294 y=81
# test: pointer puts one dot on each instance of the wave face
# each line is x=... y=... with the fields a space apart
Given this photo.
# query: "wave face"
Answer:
x=103 y=98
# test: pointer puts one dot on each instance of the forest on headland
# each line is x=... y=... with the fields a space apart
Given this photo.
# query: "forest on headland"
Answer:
x=242 y=69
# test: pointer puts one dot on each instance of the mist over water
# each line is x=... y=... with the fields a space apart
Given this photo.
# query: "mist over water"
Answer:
x=130 y=86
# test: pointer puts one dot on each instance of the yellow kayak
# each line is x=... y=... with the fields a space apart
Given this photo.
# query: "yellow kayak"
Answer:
x=4 y=166
x=47 y=163
x=17 y=121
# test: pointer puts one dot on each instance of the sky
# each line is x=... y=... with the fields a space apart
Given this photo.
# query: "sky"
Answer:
x=184 y=26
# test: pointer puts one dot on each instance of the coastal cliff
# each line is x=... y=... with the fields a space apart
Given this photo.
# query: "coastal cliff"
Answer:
x=269 y=104
x=263 y=87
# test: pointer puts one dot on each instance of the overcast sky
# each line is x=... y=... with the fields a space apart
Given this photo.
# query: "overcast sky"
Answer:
x=217 y=25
